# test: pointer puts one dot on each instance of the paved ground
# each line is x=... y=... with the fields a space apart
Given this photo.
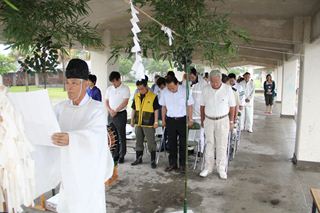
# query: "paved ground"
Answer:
x=262 y=178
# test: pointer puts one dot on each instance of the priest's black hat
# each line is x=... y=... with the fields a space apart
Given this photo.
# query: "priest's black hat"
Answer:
x=77 y=68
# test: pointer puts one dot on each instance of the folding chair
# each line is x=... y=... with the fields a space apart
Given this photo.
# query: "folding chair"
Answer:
x=162 y=143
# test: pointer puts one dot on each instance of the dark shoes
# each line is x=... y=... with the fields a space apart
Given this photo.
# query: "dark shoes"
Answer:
x=153 y=160
x=138 y=160
x=121 y=160
x=182 y=170
x=153 y=164
x=171 y=168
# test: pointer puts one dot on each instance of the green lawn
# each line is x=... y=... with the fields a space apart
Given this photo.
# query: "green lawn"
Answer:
x=54 y=93
x=58 y=93
x=132 y=86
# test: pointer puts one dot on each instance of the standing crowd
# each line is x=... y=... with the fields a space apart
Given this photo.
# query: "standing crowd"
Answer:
x=215 y=102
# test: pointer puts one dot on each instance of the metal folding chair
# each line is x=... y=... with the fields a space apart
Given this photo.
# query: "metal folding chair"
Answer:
x=162 y=143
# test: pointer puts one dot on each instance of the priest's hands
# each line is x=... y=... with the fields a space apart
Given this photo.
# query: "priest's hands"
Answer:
x=60 y=139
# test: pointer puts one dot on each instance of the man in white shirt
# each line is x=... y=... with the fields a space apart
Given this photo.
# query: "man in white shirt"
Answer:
x=240 y=100
x=217 y=118
x=197 y=86
x=174 y=117
x=86 y=160
x=117 y=98
x=249 y=90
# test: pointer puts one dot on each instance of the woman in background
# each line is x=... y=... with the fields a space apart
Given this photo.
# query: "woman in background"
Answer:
x=269 y=93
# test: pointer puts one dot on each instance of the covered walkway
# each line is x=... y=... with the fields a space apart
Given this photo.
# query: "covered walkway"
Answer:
x=261 y=179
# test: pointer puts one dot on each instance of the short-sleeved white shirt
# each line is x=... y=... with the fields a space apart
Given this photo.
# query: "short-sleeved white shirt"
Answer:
x=217 y=102
x=175 y=102
x=117 y=95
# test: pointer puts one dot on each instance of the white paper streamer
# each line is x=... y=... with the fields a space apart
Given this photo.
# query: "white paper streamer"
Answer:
x=137 y=67
x=168 y=32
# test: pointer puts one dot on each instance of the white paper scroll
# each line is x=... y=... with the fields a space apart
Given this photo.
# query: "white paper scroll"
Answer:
x=38 y=116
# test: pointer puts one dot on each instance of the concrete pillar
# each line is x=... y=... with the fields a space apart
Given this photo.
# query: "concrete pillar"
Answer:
x=279 y=74
x=289 y=96
x=100 y=65
x=308 y=125
x=1 y=80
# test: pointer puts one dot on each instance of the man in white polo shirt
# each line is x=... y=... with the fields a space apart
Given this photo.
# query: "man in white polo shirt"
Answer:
x=174 y=117
x=117 y=98
x=217 y=118
x=249 y=90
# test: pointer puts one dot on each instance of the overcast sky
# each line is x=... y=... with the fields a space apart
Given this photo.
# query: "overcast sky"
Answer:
x=2 y=49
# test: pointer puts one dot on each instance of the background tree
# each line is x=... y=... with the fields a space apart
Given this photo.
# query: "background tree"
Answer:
x=199 y=30
x=157 y=66
x=43 y=28
x=7 y=64
x=125 y=65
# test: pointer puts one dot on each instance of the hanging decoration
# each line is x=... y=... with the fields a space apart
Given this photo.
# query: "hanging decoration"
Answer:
x=137 y=67
x=168 y=32
x=17 y=178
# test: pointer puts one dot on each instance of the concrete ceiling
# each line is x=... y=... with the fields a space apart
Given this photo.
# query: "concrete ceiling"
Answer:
x=273 y=25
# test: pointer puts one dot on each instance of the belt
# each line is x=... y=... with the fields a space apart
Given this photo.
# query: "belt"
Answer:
x=216 y=118
x=177 y=118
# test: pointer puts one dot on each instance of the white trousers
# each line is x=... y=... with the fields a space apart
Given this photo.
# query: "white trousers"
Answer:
x=202 y=140
x=247 y=118
x=217 y=132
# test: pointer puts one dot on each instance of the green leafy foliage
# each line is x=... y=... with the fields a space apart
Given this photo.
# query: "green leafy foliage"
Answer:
x=44 y=58
x=7 y=64
x=200 y=31
x=42 y=28
x=62 y=20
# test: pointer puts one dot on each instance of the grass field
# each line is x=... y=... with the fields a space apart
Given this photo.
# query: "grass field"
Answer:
x=57 y=93
x=54 y=93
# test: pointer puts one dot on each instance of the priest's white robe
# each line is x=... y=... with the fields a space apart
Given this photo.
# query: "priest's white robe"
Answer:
x=86 y=162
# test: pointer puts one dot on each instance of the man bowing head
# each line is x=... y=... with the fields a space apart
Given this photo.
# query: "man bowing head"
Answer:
x=86 y=160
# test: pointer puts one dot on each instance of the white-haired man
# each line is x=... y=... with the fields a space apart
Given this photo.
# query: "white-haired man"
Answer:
x=217 y=118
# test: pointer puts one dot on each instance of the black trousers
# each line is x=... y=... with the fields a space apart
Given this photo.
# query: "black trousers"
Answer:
x=269 y=99
x=120 y=121
x=176 y=128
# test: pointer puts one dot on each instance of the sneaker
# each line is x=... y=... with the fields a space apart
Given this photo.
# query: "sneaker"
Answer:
x=250 y=131
x=204 y=173
x=223 y=175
